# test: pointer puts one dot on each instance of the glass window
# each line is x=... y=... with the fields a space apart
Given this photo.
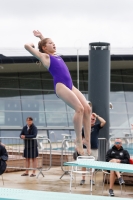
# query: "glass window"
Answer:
x=57 y=135
x=119 y=107
x=74 y=75
x=116 y=72
x=46 y=75
x=50 y=95
x=38 y=117
x=85 y=75
x=48 y=84
x=9 y=93
x=35 y=109
x=117 y=96
x=73 y=134
x=55 y=106
x=10 y=104
x=128 y=87
x=119 y=120
x=116 y=78
x=127 y=72
x=10 y=112
x=70 y=118
x=9 y=82
x=31 y=94
x=42 y=133
x=56 y=119
x=32 y=105
x=8 y=75
x=12 y=133
x=75 y=83
x=86 y=95
x=130 y=117
x=120 y=133
x=83 y=86
x=129 y=96
x=69 y=109
x=70 y=114
x=2 y=112
x=116 y=87
x=130 y=107
x=127 y=79
x=29 y=75
x=11 y=118
x=121 y=97
x=30 y=84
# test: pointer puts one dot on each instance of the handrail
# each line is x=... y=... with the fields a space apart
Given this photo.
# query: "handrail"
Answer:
x=15 y=147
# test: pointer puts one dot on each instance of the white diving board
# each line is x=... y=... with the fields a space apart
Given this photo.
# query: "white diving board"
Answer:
x=102 y=165
x=20 y=194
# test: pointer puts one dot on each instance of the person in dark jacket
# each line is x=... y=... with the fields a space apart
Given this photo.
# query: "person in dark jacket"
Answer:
x=117 y=155
x=30 y=150
x=3 y=158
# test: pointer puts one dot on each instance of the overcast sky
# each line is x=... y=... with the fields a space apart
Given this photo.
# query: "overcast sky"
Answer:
x=66 y=21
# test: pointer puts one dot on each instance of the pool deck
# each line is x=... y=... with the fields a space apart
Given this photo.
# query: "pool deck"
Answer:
x=52 y=183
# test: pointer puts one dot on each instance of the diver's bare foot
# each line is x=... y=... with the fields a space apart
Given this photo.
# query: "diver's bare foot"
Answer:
x=89 y=151
x=79 y=148
x=87 y=144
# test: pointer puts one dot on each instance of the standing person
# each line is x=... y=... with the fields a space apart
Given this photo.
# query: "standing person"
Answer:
x=95 y=127
x=3 y=158
x=64 y=88
x=30 y=151
x=116 y=154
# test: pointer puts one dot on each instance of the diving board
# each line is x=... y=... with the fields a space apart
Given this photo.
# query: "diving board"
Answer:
x=19 y=194
x=102 y=165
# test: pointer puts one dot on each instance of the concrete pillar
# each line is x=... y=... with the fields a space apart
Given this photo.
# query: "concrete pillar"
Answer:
x=99 y=82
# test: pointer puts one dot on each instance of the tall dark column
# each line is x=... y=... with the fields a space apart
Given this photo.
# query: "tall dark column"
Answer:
x=99 y=82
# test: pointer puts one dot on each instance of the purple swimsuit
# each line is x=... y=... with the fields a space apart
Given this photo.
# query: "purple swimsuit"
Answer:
x=60 y=72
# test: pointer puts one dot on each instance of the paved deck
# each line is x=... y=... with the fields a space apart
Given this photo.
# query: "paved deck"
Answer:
x=52 y=183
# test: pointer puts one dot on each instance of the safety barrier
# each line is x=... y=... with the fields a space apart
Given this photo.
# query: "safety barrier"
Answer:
x=68 y=148
x=18 y=149
x=15 y=147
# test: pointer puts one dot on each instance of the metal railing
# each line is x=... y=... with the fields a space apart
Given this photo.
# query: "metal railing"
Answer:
x=18 y=150
x=68 y=148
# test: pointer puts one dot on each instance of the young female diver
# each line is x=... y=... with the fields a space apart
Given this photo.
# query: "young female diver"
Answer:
x=64 y=88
